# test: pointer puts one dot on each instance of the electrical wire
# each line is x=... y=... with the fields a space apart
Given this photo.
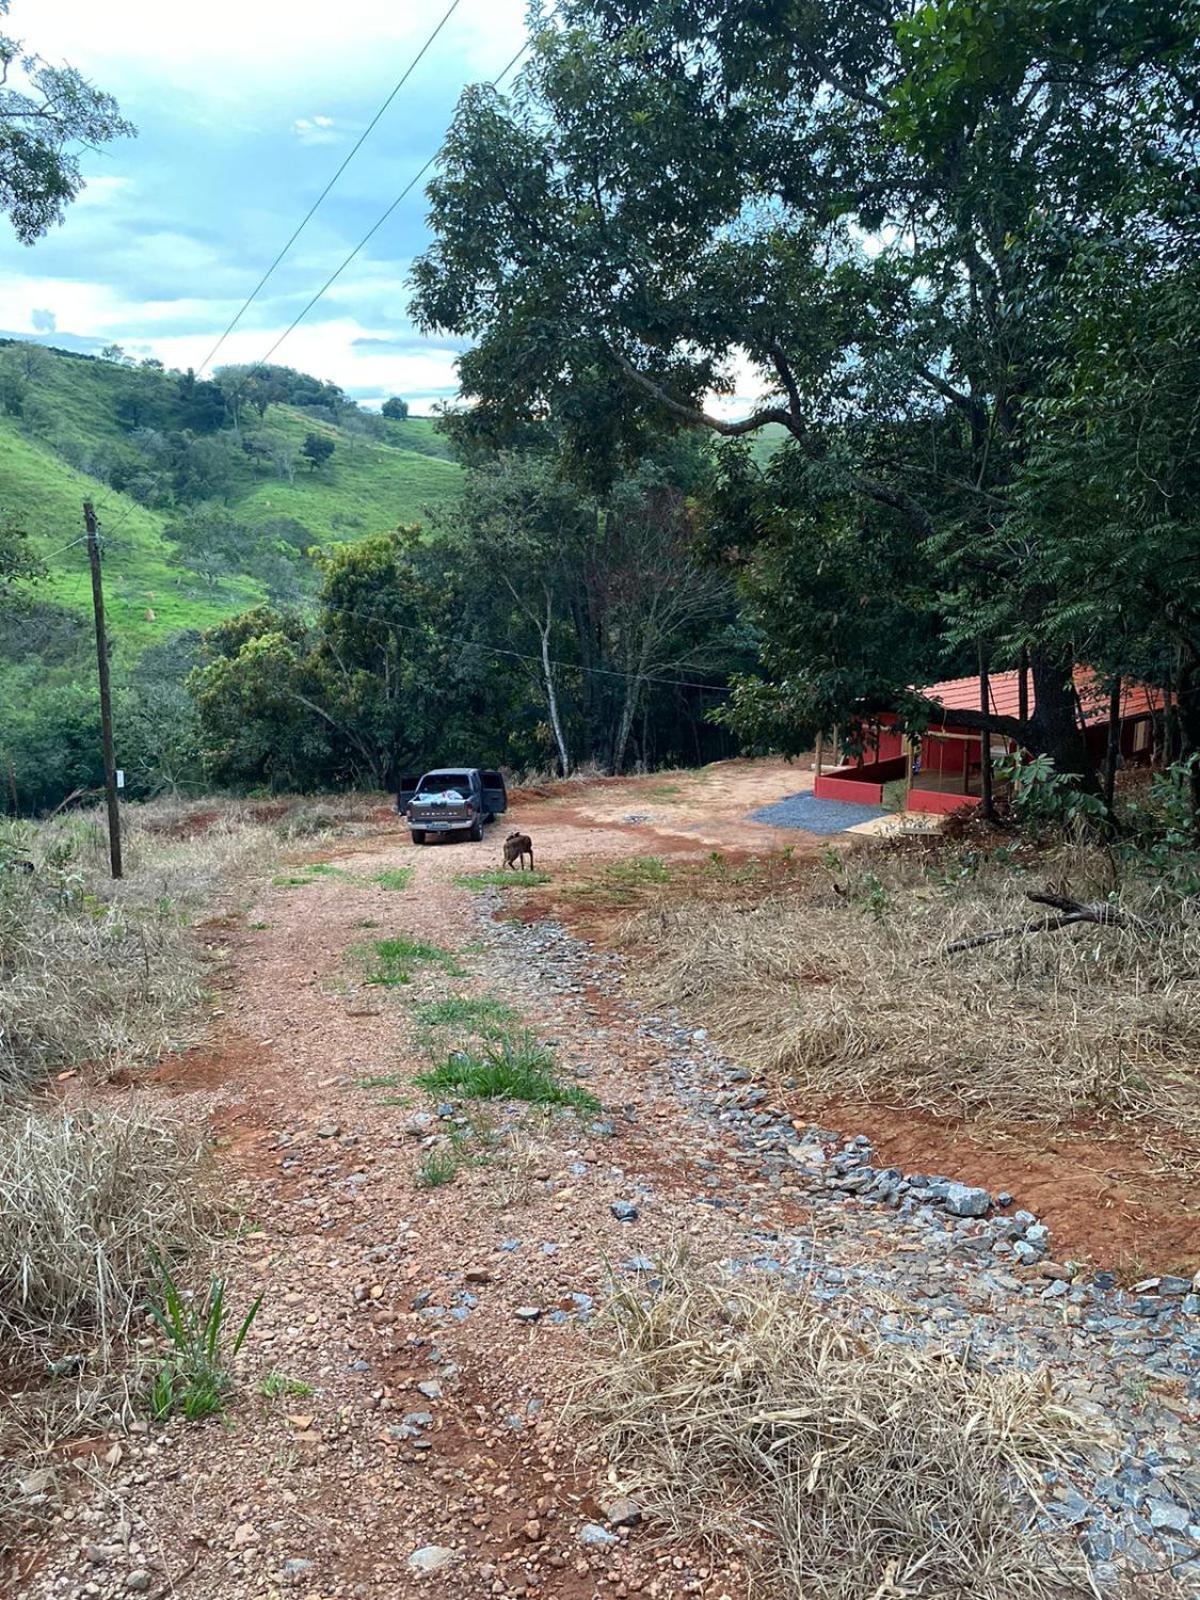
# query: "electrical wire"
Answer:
x=312 y=210
x=62 y=550
x=518 y=655
x=373 y=229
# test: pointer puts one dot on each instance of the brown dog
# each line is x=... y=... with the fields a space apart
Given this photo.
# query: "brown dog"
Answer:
x=516 y=847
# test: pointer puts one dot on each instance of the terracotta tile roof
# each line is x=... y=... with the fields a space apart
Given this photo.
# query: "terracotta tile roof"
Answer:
x=962 y=694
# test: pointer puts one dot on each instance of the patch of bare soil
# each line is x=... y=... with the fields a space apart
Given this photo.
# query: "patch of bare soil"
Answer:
x=1125 y=1201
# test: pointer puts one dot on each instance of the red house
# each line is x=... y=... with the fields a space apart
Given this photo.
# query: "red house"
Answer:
x=941 y=769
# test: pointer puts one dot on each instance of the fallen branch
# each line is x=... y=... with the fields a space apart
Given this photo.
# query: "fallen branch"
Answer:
x=1069 y=912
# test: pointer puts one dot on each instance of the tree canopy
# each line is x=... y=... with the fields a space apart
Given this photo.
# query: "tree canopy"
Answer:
x=47 y=115
x=862 y=216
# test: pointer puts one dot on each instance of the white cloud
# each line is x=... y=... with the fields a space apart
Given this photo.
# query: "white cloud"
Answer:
x=103 y=190
x=217 y=49
x=316 y=130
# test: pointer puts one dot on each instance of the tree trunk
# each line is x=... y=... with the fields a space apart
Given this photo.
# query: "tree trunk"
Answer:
x=1023 y=687
x=1113 y=752
x=1187 y=700
x=985 y=739
x=564 y=759
x=628 y=709
x=1054 y=727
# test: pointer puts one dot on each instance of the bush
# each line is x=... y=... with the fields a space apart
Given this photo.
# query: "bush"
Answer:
x=85 y=1198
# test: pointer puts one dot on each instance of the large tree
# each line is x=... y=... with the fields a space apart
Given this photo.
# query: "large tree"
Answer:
x=48 y=114
x=842 y=205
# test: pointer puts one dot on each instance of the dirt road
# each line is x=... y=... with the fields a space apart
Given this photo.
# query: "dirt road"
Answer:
x=423 y=1335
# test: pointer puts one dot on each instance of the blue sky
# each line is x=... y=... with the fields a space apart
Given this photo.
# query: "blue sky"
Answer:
x=244 y=108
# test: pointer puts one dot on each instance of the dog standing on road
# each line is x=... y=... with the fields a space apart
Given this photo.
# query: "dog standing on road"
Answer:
x=516 y=847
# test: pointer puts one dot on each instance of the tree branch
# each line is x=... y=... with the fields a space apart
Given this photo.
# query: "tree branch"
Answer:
x=704 y=419
x=883 y=493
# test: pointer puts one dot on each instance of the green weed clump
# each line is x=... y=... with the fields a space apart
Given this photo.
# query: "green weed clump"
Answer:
x=501 y=878
x=196 y=1378
x=390 y=961
x=398 y=878
x=638 y=870
x=303 y=876
x=513 y=1067
x=437 y=1167
x=278 y=1386
x=465 y=1011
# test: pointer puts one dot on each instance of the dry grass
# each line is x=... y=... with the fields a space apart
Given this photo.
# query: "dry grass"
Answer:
x=36 y=1423
x=843 y=1470
x=97 y=971
x=85 y=1198
x=839 y=979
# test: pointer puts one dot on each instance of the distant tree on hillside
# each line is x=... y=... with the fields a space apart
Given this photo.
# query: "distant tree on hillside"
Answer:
x=317 y=449
x=395 y=409
x=46 y=114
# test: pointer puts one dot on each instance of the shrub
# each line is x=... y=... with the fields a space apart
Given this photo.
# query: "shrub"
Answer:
x=85 y=1197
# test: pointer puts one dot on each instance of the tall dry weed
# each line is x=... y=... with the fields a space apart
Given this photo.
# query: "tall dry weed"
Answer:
x=844 y=1469
x=843 y=983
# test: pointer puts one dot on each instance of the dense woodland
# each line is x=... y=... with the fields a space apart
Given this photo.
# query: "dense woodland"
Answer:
x=954 y=249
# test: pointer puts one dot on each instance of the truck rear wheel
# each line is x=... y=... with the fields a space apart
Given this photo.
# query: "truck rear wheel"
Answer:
x=418 y=835
x=476 y=830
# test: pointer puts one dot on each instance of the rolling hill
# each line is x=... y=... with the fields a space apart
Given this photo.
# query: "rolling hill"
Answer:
x=71 y=422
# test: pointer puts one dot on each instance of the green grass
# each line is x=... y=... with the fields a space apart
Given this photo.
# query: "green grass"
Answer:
x=394 y=878
x=380 y=1080
x=45 y=497
x=465 y=1011
x=303 y=876
x=437 y=1167
x=390 y=961
x=664 y=791
x=278 y=1386
x=367 y=487
x=638 y=870
x=501 y=878
x=514 y=1067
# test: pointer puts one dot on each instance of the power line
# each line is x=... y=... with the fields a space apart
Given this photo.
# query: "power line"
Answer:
x=62 y=550
x=518 y=655
x=374 y=229
x=311 y=212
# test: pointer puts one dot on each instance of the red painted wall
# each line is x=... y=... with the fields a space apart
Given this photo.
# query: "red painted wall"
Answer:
x=939 y=801
x=836 y=785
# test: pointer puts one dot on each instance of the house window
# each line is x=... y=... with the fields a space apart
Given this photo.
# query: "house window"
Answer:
x=1141 y=736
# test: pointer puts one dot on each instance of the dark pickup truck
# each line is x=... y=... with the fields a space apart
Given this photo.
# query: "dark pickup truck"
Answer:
x=451 y=800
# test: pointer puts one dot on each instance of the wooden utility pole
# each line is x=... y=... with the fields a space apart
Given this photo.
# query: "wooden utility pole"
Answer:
x=106 y=730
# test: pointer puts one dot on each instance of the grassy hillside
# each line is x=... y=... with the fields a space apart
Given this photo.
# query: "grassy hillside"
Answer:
x=366 y=487
x=148 y=598
x=71 y=426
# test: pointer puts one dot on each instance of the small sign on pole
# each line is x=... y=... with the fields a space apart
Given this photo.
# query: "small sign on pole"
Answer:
x=120 y=778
